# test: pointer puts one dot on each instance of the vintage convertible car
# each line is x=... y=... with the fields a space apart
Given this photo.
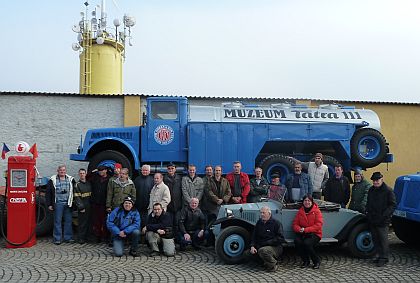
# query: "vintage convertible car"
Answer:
x=235 y=223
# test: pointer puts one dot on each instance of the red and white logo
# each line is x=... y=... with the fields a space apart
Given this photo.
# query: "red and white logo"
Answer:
x=164 y=134
x=18 y=200
x=22 y=147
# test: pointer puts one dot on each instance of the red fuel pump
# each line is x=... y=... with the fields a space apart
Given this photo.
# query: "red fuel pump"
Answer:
x=21 y=219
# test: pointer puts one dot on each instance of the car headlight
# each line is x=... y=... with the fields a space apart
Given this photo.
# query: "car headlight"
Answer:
x=229 y=213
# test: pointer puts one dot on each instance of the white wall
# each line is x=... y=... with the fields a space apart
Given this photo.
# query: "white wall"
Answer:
x=54 y=123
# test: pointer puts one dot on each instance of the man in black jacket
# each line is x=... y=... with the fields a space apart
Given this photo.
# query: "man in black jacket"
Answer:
x=82 y=195
x=159 y=230
x=192 y=225
x=144 y=184
x=380 y=206
x=174 y=183
x=337 y=189
x=267 y=240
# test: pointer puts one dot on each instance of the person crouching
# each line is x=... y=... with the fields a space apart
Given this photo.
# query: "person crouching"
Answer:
x=123 y=223
x=267 y=240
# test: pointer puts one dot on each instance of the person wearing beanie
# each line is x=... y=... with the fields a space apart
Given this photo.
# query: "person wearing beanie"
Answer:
x=319 y=175
x=118 y=189
x=123 y=223
x=359 y=192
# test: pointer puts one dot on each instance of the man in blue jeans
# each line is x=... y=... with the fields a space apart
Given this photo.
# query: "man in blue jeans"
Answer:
x=123 y=223
x=59 y=198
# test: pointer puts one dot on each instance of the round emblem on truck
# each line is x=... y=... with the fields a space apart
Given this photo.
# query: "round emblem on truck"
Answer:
x=164 y=134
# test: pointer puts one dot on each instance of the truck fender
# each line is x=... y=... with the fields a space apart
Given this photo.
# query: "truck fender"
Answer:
x=124 y=143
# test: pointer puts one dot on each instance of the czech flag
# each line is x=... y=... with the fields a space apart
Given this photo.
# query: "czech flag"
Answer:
x=4 y=151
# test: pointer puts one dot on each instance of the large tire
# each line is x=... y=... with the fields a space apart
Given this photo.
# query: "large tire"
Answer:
x=368 y=148
x=360 y=242
x=109 y=158
x=45 y=223
x=331 y=162
x=277 y=163
x=3 y=213
x=404 y=229
x=231 y=244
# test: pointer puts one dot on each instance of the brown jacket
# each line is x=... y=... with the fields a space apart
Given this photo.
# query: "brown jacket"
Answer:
x=211 y=195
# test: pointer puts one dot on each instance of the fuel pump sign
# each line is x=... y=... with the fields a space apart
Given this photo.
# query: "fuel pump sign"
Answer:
x=21 y=222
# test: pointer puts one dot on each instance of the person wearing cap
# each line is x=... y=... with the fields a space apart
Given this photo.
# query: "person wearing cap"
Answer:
x=380 y=206
x=277 y=191
x=318 y=173
x=118 y=189
x=174 y=183
x=258 y=186
x=337 y=189
x=117 y=171
x=298 y=180
x=124 y=222
x=239 y=184
x=99 y=181
x=359 y=192
x=144 y=184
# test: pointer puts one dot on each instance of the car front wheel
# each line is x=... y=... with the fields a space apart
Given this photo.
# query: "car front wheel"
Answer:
x=231 y=244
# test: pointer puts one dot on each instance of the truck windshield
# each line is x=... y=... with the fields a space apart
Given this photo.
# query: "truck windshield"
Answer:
x=164 y=110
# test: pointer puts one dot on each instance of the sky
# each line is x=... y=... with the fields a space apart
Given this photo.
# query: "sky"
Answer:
x=365 y=50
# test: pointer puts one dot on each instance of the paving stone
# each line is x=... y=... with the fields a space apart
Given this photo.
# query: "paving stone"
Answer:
x=46 y=262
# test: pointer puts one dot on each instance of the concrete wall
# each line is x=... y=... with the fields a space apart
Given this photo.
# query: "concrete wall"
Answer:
x=55 y=124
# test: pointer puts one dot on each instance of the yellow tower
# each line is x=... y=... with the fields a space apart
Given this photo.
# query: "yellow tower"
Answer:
x=102 y=51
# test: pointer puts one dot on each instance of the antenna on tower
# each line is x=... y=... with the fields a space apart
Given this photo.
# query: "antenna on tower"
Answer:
x=96 y=28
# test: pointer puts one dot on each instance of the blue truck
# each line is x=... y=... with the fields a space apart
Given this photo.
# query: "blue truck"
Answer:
x=406 y=218
x=272 y=137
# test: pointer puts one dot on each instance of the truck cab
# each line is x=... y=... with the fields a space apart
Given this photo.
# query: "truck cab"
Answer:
x=163 y=137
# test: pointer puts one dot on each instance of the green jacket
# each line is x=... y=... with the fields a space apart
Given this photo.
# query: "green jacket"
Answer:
x=117 y=192
x=359 y=195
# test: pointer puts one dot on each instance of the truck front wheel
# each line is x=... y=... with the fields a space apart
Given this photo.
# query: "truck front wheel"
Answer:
x=231 y=244
x=404 y=229
x=109 y=158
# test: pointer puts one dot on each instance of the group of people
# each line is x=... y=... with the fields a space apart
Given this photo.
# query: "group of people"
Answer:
x=170 y=207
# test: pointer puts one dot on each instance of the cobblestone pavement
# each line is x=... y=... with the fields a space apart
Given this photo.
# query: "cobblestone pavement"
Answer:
x=94 y=262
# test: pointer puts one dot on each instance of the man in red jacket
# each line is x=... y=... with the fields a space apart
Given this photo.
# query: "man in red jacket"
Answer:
x=239 y=183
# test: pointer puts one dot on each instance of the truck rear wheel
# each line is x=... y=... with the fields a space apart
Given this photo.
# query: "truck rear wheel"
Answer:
x=109 y=158
x=46 y=217
x=368 y=148
x=404 y=229
x=277 y=163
